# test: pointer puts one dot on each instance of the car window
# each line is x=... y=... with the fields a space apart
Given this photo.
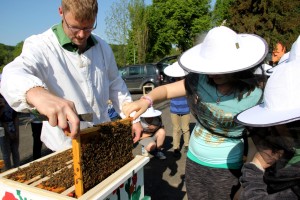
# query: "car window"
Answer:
x=136 y=70
x=143 y=69
x=151 y=70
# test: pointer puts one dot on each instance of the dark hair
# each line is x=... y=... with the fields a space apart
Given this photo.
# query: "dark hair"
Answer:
x=241 y=81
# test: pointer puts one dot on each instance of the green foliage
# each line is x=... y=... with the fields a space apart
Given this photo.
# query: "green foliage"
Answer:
x=176 y=23
x=118 y=53
x=274 y=20
x=138 y=35
x=220 y=12
x=8 y=53
x=17 y=49
x=119 y=24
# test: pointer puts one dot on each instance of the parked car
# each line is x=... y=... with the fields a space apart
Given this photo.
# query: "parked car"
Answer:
x=151 y=74
x=137 y=76
x=162 y=64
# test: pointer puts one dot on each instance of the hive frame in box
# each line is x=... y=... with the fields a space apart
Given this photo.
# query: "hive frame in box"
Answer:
x=129 y=173
x=103 y=190
x=88 y=136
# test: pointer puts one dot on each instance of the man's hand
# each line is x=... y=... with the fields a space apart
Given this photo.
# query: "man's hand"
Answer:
x=59 y=111
x=136 y=131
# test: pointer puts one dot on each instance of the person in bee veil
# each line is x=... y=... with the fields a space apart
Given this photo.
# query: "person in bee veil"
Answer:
x=220 y=84
x=274 y=126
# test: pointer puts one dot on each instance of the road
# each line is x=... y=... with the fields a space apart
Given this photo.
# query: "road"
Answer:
x=164 y=179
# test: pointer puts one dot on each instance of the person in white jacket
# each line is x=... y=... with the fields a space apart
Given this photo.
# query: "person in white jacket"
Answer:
x=67 y=71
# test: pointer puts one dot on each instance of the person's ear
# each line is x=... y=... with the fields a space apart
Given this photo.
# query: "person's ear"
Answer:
x=60 y=11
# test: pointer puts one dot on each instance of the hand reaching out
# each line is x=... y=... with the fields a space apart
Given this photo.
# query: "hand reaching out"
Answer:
x=59 y=111
x=140 y=106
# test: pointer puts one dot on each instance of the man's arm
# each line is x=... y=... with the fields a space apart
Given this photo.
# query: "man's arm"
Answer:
x=59 y=111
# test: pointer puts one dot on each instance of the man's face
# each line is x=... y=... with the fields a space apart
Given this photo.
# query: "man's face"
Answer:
x=278 y=52
x=77 y=31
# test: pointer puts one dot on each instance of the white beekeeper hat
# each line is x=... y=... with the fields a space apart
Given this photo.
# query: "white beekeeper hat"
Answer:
x=224 y=51
x=263 y=70
x=151 y=112
x=175 y=70
x=281 y=99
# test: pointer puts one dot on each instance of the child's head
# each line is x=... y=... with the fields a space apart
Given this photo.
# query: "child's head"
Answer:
x=151 y=113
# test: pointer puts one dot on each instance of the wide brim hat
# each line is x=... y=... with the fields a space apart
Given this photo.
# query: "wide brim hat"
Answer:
x=281 y=99
x=263 y=70
x=151 y=112
x=295 y=50
x=175 y=70
x=284 y=59
x=224 y=51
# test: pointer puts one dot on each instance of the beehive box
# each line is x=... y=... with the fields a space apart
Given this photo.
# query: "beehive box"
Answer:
x=109 y=172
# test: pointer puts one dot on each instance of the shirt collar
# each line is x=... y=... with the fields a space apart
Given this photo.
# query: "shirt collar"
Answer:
x=66 y=42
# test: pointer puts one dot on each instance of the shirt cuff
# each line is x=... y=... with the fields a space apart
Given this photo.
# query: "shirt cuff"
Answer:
x=24 y=100
x=258 y=166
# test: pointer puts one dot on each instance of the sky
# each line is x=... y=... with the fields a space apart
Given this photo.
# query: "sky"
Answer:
x=23 y=18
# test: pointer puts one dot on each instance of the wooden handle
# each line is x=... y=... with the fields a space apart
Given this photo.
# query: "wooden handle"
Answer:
x=76 y=150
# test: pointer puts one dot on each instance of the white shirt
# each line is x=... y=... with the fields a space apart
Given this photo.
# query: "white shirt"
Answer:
x=88 y=79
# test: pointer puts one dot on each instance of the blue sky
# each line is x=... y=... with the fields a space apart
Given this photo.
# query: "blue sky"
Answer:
x=23 y=18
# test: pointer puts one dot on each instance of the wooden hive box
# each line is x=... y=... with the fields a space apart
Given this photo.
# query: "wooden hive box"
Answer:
x=100 y=163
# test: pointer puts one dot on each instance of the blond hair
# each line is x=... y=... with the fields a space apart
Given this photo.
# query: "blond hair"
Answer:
x=81 y=9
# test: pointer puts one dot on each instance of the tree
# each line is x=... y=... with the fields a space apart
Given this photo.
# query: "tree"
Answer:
x=274 y=20
x=176 y=23
x=118 y=26
x=220 y=12
x=6 y=55
x=139 y=31
x=17 y=49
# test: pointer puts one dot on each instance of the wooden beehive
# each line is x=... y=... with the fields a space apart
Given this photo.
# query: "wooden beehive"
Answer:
x=92 y=155
x=101 y=156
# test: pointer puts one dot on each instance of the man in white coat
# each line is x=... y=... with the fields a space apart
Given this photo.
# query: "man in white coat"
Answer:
x=67 y=71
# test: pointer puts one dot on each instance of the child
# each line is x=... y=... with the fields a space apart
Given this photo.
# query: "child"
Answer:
x=153 y=135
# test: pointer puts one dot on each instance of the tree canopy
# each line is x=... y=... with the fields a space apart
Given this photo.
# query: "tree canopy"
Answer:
x=274 y=20
x=220 y=12
x=8 y=53
x=176 y=23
